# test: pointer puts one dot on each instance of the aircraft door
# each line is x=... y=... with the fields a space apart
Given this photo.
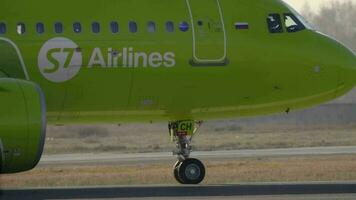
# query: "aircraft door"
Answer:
x=209 y=34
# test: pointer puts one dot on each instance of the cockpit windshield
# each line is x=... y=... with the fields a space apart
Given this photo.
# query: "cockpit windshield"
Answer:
x=274 y=23
x=292 y=23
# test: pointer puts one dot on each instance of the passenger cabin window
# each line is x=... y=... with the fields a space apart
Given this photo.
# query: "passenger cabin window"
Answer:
x=21 y=28
x=58 y=27
x=133 y=27
x=2 y=28
x=274 y=23
x=151 y=27
x=293 y=24
x=95 y=26
x=77 y=27
x=170 y=26
x=40 y=28
x=114 y=27
x=184 y=26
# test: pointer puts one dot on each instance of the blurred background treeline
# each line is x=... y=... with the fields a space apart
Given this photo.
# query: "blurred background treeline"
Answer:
x=337 y=19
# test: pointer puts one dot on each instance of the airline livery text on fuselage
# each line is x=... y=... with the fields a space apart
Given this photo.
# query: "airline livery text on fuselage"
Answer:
x=60 y=59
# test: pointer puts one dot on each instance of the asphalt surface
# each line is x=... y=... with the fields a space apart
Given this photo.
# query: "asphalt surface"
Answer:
x=249 y=191
x=141 y=158
x=273 y=191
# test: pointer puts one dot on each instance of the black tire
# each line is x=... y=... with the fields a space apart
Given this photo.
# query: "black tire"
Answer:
x=191 y=171
x=176 y=172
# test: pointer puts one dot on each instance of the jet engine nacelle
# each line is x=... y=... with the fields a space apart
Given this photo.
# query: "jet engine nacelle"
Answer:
x=22 y=125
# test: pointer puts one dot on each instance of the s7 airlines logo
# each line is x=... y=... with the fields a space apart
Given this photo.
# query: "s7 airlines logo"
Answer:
x=60 y=59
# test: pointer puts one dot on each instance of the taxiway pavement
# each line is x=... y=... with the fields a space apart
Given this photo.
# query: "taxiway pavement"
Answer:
x=282 y=191
x=141 y=158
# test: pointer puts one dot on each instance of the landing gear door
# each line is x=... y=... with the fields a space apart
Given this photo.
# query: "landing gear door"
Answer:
x=209 y=34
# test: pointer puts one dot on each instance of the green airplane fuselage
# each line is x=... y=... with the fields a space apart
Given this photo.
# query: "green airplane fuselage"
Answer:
x=219 y=61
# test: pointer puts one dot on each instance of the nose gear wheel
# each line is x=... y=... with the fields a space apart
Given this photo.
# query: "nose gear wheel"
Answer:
x=186 y=170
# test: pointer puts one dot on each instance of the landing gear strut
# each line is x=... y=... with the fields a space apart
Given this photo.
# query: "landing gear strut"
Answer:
x=186 y=170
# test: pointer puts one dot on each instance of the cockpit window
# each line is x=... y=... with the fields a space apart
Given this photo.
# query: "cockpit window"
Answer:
x=274 y=23
x=292 y=23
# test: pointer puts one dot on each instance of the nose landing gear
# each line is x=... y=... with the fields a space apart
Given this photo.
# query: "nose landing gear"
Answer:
x=186 y=170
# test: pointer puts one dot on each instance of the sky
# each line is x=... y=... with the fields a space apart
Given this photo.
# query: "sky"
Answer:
x=314 y=4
